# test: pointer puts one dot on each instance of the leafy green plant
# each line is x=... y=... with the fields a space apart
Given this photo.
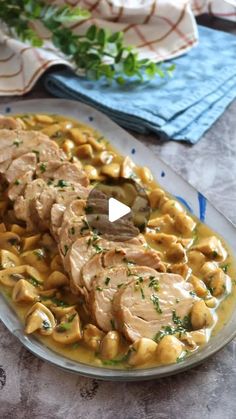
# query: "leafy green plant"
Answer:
x=97 y=53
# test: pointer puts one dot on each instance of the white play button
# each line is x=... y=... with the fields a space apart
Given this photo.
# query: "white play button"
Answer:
x=116 y=210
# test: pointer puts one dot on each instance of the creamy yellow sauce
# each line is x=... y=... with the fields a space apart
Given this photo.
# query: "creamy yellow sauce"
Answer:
x=79 y=351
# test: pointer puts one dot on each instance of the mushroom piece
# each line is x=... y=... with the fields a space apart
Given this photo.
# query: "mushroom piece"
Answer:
x=111 y=170
x=2 y=228
x=69 y=330
x=127 y=168
x=176 y=253
x=142 y=351
x=8 y=259
x=92 y=336
x=33 y=275
x=184 y=223
x=31 y=241
x=10 y=241
x=145 y=175
x=212 y=248
x=10 y=276
x=39 y=318
x=156 y=198
x=61 y=312
x=169 y=349
x=194 y=338
x=56 y=280
x=105 y=157
x=15 y=228
x=109 y=347
x=172 y=207
x=201 y=315
x=23 y=291
x=56 y=263
x=36 y=258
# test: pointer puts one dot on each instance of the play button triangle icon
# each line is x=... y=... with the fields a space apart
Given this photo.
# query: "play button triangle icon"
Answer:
x=116 y=210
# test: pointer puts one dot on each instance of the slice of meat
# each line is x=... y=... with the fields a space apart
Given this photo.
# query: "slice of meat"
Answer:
x=143 y=307
x=140 y=256
x=50 y=195
x=63 y=171
x=24 y=204
x=7 y=122
x=42 y=205
x=18 y=188
x=106 y=285
x=74 y=223
x=4 y=165
x=21 y=165
x=15 y=143
x=57 y=212
x=82 y=250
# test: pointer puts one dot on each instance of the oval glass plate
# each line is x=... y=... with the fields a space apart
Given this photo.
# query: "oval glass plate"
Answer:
x=169 y=180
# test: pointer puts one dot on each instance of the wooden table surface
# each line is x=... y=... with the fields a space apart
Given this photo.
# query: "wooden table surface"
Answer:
x=31 y=388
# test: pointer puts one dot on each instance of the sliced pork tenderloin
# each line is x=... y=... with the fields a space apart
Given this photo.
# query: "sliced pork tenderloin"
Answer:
x=104 y=288
x=145 y=304
x=64 y=172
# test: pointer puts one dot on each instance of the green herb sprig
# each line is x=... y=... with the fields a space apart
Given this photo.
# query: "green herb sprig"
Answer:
x=95 y=54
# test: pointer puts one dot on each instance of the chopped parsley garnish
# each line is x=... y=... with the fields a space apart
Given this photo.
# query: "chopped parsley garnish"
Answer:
x=66 y=248
x=155 y=301
x=58 y=302
x=99 y=289
x=88 y=209
x=37 y=154
x=107 y=280
x=225 y=267
x=17 y=143
x=72 y=231
x=129 y=273
x=46 y=325
x=17 y=182
x=33 y=281
x=120 y=285
x=182 y=357
x=39 y=253
x=184 y=324
x=66 y=325
x=14 y=242
x=167 y=330
x=192 y=293
x=42 y=167
x=142 y=293
x=154 y=283
x=61 y=183
x=214 y=254
x=98 y=248
x=85 y=226
x=112 y=324
x=116 y=361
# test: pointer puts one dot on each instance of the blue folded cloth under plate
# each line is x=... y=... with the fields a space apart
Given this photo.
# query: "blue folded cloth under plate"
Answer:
x=181 y=108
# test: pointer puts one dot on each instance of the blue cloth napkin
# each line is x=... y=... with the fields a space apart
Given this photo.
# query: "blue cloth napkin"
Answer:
x=181 y=108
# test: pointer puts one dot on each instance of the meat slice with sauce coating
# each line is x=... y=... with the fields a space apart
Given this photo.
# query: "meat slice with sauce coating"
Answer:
x=19 y=166
x=104 y=288
x=143 y=307
x=66 y=171
x=125 y=256
x=16 y=143
x=83 y=249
